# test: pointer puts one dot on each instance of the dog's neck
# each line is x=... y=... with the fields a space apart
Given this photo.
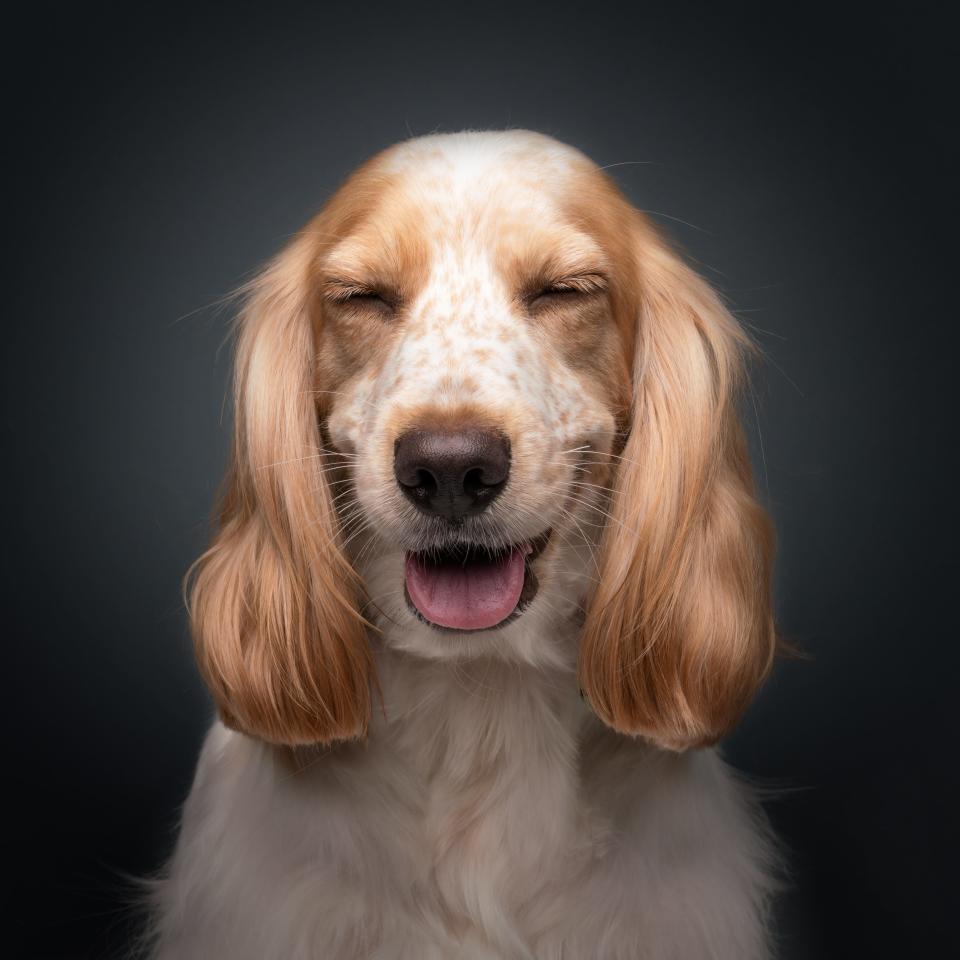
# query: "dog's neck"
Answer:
x=479 y=761
x=476 y=708
x=494 y=749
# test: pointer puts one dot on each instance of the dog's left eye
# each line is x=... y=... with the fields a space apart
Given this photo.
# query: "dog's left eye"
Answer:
x=556 y=291
x=563 y=290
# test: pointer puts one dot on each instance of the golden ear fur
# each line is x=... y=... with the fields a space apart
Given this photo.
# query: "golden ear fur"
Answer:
x=679 y=630
x=273 y=602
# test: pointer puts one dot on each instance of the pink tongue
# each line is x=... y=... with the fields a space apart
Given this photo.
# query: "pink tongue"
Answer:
x=471 y=595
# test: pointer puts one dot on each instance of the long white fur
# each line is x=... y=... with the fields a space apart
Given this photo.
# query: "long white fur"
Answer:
x=493 y=795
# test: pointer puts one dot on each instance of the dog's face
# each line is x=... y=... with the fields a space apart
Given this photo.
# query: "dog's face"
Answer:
x=477 y=377
x=481 y=409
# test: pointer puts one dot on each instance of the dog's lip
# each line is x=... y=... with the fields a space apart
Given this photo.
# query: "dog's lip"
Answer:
x=531 y=549
x=538 y=544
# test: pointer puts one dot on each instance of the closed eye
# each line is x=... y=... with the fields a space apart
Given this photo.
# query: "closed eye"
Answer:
x=567 y=289
x=358 y=295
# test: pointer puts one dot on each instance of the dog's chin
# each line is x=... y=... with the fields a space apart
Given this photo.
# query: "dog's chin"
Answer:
x=472 y=588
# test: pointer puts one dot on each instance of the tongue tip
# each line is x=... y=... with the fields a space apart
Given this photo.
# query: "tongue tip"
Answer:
x=466 y=623
x=474 y=596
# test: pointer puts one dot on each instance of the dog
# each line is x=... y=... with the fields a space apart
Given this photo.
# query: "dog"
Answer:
x=488 y=583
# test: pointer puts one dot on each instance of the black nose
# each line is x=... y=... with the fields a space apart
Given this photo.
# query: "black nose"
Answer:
x=452 y=473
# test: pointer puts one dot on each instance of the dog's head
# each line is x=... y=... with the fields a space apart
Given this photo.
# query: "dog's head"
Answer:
x=480 y=407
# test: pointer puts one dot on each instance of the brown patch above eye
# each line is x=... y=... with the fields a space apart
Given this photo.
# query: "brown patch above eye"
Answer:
x=356 y=324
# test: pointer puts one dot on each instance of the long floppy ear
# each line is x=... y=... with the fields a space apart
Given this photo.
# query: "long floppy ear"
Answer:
x=679 y=631
x=273 y=602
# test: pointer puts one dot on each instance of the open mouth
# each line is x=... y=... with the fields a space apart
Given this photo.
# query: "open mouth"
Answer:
x=472 y=587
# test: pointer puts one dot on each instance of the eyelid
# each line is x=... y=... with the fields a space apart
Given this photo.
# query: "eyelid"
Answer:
x=581 y=283
x=341 y=291
x=586 y=283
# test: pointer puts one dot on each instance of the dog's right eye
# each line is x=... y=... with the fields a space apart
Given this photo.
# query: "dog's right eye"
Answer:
x=361 y=297
x=367 y=296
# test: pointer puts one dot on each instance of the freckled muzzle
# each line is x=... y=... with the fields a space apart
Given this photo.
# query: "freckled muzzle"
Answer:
x=472 y=588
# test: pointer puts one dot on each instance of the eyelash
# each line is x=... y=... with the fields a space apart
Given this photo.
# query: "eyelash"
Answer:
x=572 y=287
x=359 y=296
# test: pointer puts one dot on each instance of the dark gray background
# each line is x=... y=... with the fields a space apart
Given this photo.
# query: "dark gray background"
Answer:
x=803 y=158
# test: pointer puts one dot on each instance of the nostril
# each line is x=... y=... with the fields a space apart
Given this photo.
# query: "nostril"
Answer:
x=426 y=480
x=422 y=484
x=481 y=481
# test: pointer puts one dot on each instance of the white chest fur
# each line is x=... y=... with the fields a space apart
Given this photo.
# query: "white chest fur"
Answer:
x=488 y=815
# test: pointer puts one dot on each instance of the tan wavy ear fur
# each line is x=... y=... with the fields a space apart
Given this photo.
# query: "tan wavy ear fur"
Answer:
x=274 y=602
x=679 y=631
